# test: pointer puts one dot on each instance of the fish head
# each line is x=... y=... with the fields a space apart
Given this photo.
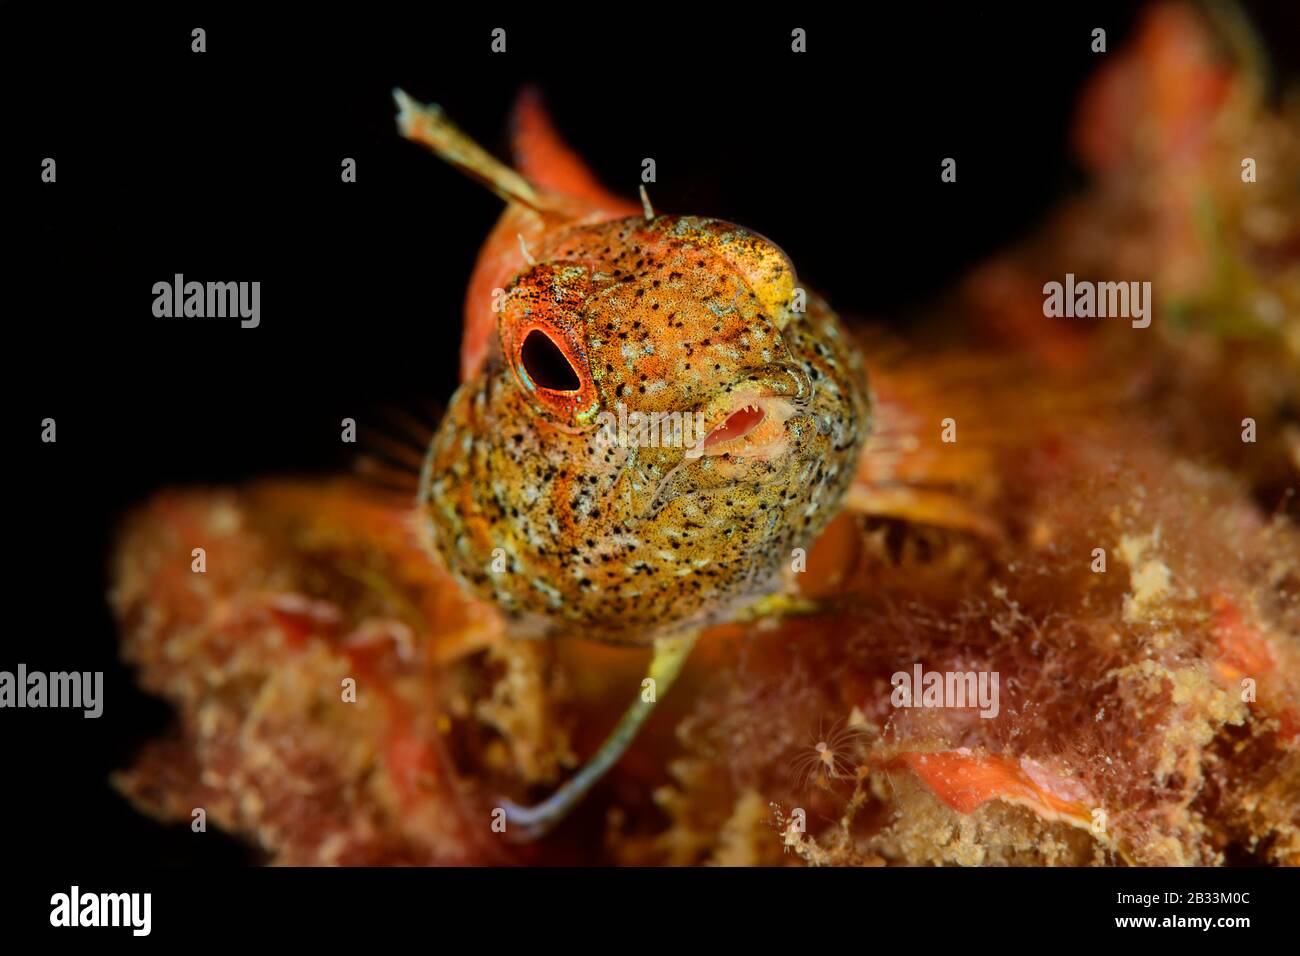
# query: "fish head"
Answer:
x=664 y=419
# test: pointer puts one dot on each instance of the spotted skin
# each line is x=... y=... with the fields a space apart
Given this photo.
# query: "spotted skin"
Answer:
x=530 y=504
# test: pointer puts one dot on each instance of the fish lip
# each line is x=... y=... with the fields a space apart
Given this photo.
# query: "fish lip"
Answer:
x=785 y=380
x=780 y=463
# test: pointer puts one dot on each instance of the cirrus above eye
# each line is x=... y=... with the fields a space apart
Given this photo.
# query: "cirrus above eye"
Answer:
x=546 y=364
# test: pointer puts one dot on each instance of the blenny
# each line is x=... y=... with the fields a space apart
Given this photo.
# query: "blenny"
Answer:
x=584 y=306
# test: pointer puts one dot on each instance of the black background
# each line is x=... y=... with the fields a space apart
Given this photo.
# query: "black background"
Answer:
x=225 y=166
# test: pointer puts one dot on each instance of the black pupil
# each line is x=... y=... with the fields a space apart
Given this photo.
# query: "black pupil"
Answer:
x=546 y=364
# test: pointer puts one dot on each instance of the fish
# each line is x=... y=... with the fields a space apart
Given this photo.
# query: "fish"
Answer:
x=584 y=308
x=309 y=582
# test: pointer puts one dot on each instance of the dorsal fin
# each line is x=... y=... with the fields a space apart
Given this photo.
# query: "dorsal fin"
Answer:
x=546 y=159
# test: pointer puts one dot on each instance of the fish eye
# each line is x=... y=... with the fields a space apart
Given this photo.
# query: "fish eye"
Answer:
x=546 y=364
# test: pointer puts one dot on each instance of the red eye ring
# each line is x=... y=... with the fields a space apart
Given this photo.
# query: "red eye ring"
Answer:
x=552 y=370
x=543 y=337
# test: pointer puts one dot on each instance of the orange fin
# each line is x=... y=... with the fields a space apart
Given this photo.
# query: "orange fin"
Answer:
x=545 y=159
x=946 y=426
x=907 y=470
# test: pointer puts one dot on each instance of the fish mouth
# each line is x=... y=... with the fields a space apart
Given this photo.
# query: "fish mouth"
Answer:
x=752 y=428
x=748 y=418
